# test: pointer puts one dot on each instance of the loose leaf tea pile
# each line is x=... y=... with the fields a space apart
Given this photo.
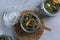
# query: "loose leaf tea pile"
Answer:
x=22 y=35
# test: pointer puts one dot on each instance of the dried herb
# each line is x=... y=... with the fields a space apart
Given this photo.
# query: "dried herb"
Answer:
x=51 y=6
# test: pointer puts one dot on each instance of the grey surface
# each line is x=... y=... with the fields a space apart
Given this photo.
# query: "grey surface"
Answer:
x=52 y=22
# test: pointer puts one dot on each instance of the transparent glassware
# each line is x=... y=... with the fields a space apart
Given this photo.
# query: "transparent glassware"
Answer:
x=10 y=16
x=5 y=37
x=43 y=11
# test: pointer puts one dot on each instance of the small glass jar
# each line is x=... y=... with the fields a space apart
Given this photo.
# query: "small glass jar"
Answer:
x=29 y=12
x=41 y=8
x=5 y=37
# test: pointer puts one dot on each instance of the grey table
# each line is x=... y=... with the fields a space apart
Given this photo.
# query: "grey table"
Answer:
x=52 y=22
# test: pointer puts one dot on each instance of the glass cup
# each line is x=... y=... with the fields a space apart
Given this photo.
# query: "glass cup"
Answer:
x=10 y=16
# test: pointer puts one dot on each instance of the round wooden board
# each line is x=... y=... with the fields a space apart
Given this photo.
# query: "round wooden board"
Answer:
x=21 y=35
